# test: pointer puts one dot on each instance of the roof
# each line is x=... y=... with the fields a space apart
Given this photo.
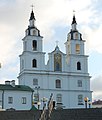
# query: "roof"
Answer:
x=15 y=88
x=74 y=20
x=32 y=16
x=33 y=108
x=57 y=50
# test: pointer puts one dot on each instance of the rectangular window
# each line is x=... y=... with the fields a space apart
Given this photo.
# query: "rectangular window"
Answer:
x=24 y=101
x=57 y=62
x=59 y=101
x=80 y=99
x=58 y=83
x=10 y=100
x=59 y=98
x=34 y=45
x=77 y=48
x=79 y=83
x=35 y=81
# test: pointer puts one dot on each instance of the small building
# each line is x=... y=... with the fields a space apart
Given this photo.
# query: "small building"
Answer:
x=97 y=104
x=17 y=97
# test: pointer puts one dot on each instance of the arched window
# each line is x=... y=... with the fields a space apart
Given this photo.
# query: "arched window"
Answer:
x=78 y=66
x=77 y=48
x=58 y=83
x=34 y=63
x=57 y=62
x=35 y=81
x=76 y=35
x=34 y=45
x=34 y=32
x=79 y=83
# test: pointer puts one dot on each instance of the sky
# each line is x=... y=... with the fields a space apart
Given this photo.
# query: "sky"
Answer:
x=53 y=19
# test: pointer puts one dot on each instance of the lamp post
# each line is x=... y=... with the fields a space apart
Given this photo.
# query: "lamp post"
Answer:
x=89 y=102
x=86 y=101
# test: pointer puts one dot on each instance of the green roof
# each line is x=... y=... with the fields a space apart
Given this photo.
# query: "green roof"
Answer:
x=33 y=108
x=15 y=88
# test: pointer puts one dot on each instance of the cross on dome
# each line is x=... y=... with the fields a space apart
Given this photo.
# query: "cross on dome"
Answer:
x=74 y=19
x=32 y=6
x=73 y=12
x=57 y=42
x=32 y=13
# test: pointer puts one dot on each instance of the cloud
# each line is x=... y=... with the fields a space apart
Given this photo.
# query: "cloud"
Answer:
x=96 y=86
x=49 y=14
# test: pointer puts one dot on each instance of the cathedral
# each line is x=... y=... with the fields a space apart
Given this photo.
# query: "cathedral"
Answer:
x=65 y=74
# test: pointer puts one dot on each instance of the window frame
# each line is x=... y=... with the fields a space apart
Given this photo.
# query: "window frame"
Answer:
x=78 y=65
x=35 y=81
x=57 y=62
x=58 y=83
x=34 y=63
x=59 y=98
x=79 y=82
x=77 y=48
x=34 y=45
x=24 y=100
x=10 y=100
x=80 y=99
x=76 y=35
x=34 y=32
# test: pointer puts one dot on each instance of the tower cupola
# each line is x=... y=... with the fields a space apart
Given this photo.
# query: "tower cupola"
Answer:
x=32 y=15
x=32 y=29
x=74 y=34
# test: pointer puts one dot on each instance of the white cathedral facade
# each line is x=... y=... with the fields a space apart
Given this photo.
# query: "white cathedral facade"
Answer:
x=65 y=74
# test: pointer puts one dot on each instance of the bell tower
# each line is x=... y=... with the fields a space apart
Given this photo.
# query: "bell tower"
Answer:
x=75 y=49
x=74 y=44
x=32 y=58
x=35 y=44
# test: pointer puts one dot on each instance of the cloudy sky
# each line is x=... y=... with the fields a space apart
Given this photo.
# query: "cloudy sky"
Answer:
x=53 y=18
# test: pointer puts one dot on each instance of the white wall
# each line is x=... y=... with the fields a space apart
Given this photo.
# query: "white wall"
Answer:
x=17 y=100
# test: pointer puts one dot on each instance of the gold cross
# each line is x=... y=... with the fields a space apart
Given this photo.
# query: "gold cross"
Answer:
x=57 y=43
x=32 y=6
x=73 y=12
